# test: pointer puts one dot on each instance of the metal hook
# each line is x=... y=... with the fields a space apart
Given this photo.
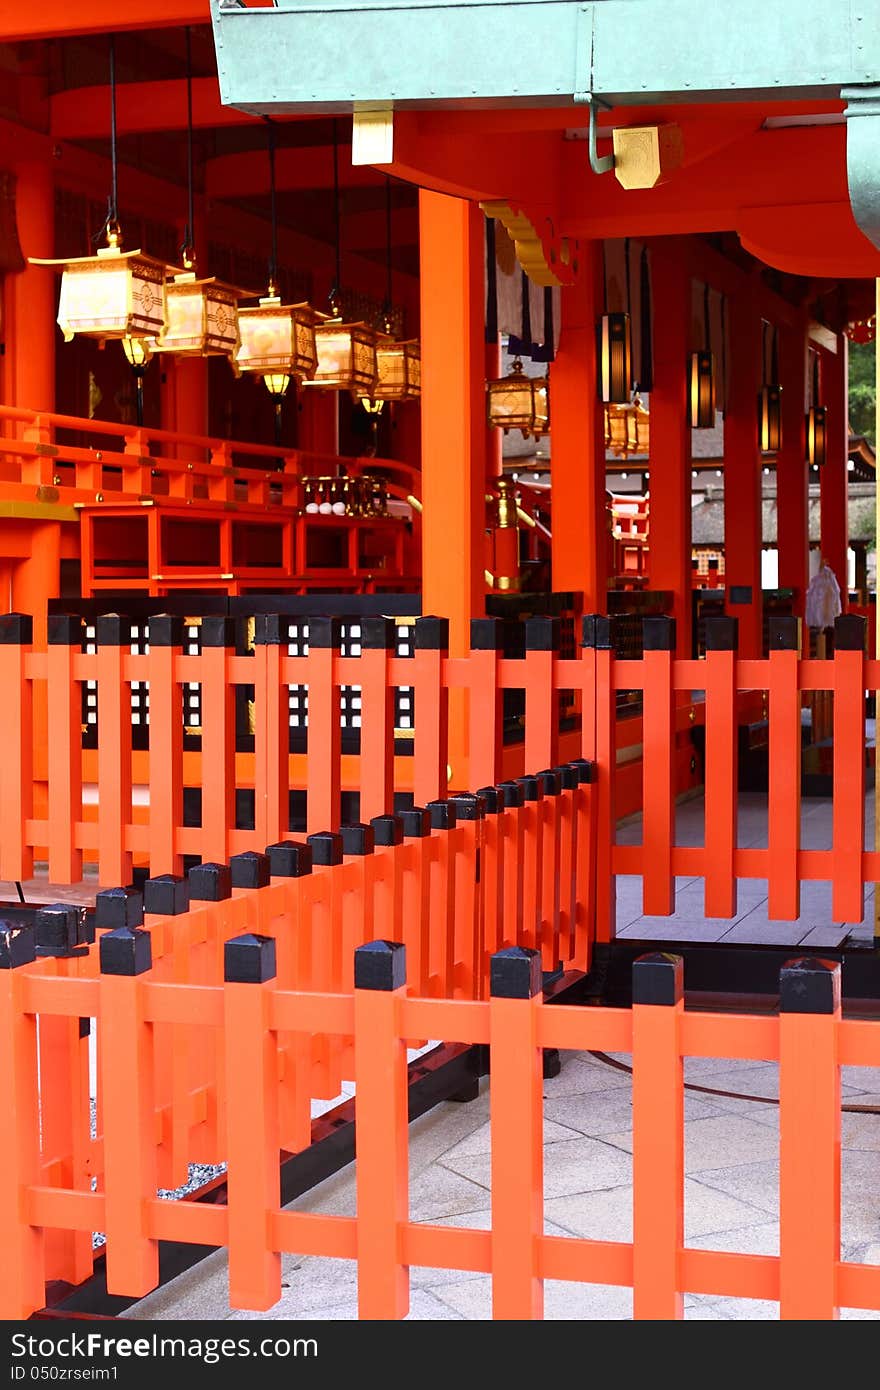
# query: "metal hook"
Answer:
x=600 y=164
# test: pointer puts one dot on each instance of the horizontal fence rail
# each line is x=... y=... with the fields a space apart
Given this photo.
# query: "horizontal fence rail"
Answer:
x=250 y=1020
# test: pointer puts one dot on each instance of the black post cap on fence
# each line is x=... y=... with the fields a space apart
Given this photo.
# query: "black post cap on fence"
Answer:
x=380 y=965
x=270 y=629
x=325 y=632
x=57 y=929
x=543 y=634
x=218 y=630
x=722 y=633
x=17 y=945
x=849 y=633
x=512 y=794
x=64 y=630
x=210 y=883
x=357 y=838
x=586 y=769
x=531 y=788
x=326 y=847
x=387 y=830
x=289 y=859
x=658 y=978
x=596 y=632
x=165 y=630
x=493 y=802
x=809 y=985
x=378 y=634
x=487 y=634
x=119 y=907
x=416 y=822
x=658 y=633
x=468 y=806
x=16 y=629
x=569 y=776
x=250 y=870
x=784 y=634
x=113 y=630
x=249 y=959
x=515 y=973
x=442 y=815
x=125 y=951
x=550 y=779
x=166 y=895
x=431 y=634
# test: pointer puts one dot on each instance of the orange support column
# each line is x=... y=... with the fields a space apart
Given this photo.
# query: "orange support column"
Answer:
x=833 y=476
x=670 y=552
x=792 y=537
x=580 y=536
x=809 y=1139
x=742 y=474
x=22 y=1268
x=453 y=431
x=31 y=303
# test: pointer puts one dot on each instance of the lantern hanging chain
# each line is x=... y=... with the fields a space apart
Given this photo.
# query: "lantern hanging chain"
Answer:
x=188 y=249
x=335 y=293
x=386 y=308
x=707 y=336
x=816 y=400
x=111 y=221
x=273 y=210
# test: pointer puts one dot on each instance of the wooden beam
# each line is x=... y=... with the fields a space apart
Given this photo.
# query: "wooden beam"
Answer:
x=60 y=19
x=83 y=113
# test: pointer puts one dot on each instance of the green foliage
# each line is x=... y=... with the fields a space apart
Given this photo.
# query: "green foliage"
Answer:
x=863 y=390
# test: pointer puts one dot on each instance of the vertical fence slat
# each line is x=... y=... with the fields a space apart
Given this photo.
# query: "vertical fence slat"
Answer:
x=586 y=836
x=16 y=764
x=848 y=834
x=64 y=753
x=542 y=699
x=166 y=745
x=271 y=730
x=252 y=1132
x=784 y=801
x=486 y=707
x=113 y=637
x=324 y=738
x=658 y=768
x=376 y=774
x=64 y=1133
x=658 y=1136
x=431 y=745
x=416 y=896
x=516 y=1118
x=382 y=1139
x=809 y=1139
x=467 y=918
x=22 y=1271
x=532 y=821
x=441 y=938
x=599 y=744
x=218 y=738
x=720 y=773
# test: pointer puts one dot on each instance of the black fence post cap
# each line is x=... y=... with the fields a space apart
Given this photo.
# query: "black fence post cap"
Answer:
x=165 y=630
x=387 y=830
x=515 y=973
x=487 y=634
x=468 y=806
x=849 y=632
x=658 y=978
x=378 y=634
x=809 y=985
x=596 y=631
x=250 y=869
x=442 y=815
x=543 y=633
x=113 y=630
x=210 y=883
x=586 y=770
x=17 y=945
x=531 y=788
x=658 y=633
x=119 y=907
x=784 y=634
x=289 y=859
x=357 y=838
x=166 y=895
x=217 y=630
x=492 y=801
x=249 y=959
x=416 y=822
x=325 y=632
x=722 y=633
x=512 y=794
x=326 y=847
x=125 y=951
x=551 y=781
x=270 y=629
x=568 y=774
x=16 y=629
x=64 y=630
x=57 y=929
x=380 y=965
x=431 y=634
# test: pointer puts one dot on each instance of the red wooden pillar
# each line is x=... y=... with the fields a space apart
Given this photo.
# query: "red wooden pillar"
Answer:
x=32 y=299
x=742 y=472
x=792 y=515
x=670 y=512
x=580 y=535
x=833 y=476
x=453 y=431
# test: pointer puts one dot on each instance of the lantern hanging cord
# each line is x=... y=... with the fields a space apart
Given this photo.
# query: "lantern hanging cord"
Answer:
x=273 y=205
x=188 y=249
x=111 y=221
x=335 y=292
x=387 y=306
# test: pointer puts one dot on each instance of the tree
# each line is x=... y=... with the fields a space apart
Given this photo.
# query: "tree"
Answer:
x=862 y=390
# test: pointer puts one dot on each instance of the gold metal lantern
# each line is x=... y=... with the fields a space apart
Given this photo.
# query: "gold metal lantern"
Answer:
x=519 y=402
x=202 y=317
x=113 y=294
x=278 y=338
x=347 y=359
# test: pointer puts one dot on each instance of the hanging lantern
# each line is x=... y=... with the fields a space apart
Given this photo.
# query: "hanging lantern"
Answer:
x=614 y=358
x=202 y=317
x=816 y=435
x=400 y=371
x=113 y=294
x=346 y=357
x=627 y=429
x=519 y=402
x=701 y=391
x=770 y=419
x=277 y=337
